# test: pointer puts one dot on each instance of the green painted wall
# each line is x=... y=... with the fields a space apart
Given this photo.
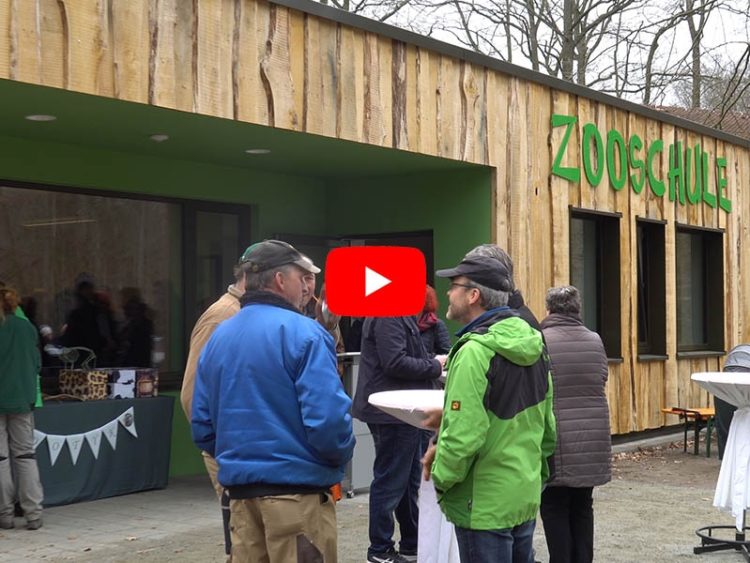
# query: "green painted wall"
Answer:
x=455 y=205
x=184 y=457
x=289 y=203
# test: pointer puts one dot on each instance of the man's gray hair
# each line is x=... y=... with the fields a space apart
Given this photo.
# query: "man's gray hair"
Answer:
x=489 y=250
x=490 y=298
x=264 y=279
x=564 y=300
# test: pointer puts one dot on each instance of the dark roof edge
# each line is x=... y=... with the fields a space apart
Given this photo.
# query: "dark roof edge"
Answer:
x=334 y=14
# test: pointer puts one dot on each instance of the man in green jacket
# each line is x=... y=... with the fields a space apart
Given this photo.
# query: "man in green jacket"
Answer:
x=498 y=427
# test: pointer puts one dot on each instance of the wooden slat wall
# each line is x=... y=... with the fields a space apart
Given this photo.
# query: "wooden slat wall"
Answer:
x=261 y=63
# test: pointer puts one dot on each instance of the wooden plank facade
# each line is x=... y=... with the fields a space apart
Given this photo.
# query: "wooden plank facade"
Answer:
x=264 y=63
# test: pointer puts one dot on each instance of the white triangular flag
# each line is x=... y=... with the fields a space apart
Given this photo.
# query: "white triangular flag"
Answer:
x=75 y=441
x=127 y=419
x=55 y=444
x=110 y=431
x=38 y=438
x=94 y=438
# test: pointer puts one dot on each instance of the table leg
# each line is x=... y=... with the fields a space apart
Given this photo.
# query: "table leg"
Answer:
x=684 y=442
x=697 y=435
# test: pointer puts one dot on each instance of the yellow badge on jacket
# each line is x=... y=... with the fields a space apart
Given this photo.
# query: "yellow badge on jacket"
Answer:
x=455 y=405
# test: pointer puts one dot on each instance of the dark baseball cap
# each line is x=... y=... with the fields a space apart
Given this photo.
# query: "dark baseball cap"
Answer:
x=269 y=254
x=484 y=270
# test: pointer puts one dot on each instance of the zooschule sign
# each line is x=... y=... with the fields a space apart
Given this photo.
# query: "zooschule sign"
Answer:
x=632 y=163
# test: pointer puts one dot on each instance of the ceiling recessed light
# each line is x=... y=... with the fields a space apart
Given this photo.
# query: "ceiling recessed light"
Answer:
x=258 y=151
x=159 y=137
x=41 y=117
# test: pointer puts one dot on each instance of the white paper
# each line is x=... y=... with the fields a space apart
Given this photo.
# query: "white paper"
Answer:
x=75 y=441
x=94 y=438
x=55 y=444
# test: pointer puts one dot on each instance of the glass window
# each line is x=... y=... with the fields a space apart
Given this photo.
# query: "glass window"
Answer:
x=124 y=277
x=595 y=271
x=700 y=290
x=651 y=288
x=96 y=271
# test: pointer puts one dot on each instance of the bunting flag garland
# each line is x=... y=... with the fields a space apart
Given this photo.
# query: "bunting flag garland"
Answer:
x=56 y=444
x=110 y=432
x=93 y=438
x=127 y=419
x=75 y=441
x=38 y=438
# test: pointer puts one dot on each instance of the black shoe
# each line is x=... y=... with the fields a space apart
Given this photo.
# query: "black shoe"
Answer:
x=34 y=524
x=390 y=557
x=7 y=523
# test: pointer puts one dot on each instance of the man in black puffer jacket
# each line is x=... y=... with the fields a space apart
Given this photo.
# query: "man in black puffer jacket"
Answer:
x=582 y=457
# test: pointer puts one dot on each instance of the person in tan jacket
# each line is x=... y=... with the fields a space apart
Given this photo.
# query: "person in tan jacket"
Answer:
x=225 y=307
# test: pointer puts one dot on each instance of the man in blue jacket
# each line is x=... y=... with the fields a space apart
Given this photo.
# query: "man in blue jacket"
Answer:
x=270 y=407
x=393 y=358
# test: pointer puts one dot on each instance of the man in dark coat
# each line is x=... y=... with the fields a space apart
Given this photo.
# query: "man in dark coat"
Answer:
x=582 y=458
x=393 y=358
x=515 y=300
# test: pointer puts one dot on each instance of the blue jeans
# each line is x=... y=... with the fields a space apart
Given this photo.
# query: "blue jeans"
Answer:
x=395 y=485
x=511 y=545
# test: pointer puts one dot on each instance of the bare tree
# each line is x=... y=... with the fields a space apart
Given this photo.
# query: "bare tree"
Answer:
x=638 y=49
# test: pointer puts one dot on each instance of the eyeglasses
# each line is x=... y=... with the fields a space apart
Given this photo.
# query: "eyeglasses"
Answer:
x=456 y=284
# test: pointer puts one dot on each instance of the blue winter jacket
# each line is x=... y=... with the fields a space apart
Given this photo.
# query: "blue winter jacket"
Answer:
x=268 y=401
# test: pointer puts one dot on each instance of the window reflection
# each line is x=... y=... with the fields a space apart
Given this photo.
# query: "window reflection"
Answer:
x=95 y=272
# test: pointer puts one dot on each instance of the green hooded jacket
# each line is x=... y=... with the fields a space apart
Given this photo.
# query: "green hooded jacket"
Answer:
x=38 y=401
x=498 y=427
x=19 y=365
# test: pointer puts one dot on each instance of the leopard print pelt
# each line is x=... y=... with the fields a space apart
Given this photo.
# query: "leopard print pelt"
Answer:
x=87 y=385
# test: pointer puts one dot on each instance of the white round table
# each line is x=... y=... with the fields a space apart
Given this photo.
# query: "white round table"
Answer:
x=733 y=487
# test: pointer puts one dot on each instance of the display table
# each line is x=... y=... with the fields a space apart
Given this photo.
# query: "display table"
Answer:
x=733 y=487
x=131 y=437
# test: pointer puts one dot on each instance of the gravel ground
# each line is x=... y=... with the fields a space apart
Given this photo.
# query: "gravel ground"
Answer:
x=649 y=512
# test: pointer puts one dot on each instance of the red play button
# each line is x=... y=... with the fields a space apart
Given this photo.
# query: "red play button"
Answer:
x=375 y=281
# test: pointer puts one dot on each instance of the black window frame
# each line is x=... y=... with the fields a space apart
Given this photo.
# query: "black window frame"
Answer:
x=651 y=288
x=608 y=302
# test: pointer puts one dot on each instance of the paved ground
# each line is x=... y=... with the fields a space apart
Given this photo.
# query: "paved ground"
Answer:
x=649 y=512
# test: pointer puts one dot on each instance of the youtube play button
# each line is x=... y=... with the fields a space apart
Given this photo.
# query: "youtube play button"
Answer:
x=375 y=281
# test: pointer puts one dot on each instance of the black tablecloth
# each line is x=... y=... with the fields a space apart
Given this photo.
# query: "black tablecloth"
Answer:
x=137 y=464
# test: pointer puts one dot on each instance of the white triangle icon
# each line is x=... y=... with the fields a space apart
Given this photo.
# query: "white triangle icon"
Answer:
x=374 y=281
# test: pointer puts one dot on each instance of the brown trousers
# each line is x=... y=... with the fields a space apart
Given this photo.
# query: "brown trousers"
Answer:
x=213 y=469
x=284 y=529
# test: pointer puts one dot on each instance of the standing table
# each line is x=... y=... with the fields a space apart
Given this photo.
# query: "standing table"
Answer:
x=733 y=487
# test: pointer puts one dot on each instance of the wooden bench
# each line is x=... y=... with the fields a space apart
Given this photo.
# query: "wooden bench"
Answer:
x=701 y=417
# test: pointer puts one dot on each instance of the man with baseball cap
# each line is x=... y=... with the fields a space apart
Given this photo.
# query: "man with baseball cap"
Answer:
x=270 y=407
x=497 y=427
